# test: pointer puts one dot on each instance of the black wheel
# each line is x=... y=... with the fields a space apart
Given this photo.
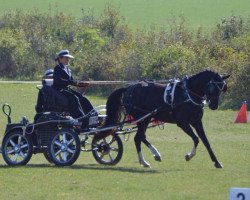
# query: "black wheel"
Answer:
x=64 y=147
x=46 y=155
x=108 y=150
x=17 y=148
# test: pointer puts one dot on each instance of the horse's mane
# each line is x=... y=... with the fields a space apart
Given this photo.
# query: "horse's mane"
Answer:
x=205 y=73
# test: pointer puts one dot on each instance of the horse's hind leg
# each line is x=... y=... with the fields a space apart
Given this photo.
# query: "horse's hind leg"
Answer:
x=154 y=151
x=139 y=137
x=188 y=130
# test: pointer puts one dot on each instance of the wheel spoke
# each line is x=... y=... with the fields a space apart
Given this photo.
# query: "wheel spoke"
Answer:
x=12 y=143
x=22 y=154
x=69 y=142
x=15 y=157
x=102 y=155
x=65 y=154
x=111 y=141
x=114 y=149
x=56 y=154
x=58 y=143
x=23 y=146
x=64 y=137
x=70 y=151
x=111 y=158
x=11 y=151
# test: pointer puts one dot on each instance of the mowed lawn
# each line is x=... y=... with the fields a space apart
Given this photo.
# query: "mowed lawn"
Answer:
x=173 y=178
x=143 y=13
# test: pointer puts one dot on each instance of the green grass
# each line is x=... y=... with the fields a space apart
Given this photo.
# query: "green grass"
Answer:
x=143 y=13
x=173 y=178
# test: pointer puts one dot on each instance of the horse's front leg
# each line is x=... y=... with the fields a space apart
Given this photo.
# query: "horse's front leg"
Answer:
x=139 y=137
x=188 y=130
x=200 y=131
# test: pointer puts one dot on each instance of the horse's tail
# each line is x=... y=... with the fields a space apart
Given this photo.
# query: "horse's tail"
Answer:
x=113 y=106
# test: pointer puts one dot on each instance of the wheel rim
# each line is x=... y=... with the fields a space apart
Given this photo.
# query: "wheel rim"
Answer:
x=107 y=149
x=63 y=147
x=17 y=148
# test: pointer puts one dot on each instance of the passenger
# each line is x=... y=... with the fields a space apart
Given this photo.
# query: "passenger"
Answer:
x=62 y=78
x=47 y=80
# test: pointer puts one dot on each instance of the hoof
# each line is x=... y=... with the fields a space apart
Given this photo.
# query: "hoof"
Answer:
x=188 y=157
x=218 y=165
x=157 y=158
x=145 y=164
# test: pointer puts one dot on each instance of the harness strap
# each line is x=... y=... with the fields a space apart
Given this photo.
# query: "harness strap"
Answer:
x=170 y=91
x=169 y=94
x=189 y=99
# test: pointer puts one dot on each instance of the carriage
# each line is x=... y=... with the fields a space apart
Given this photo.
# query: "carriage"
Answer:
x=58 y=137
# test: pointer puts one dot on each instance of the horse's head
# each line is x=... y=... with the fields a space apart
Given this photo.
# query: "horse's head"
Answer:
x=214 y=88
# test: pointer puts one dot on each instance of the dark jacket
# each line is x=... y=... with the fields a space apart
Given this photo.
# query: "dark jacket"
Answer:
x=62 y=77
x=49 y=99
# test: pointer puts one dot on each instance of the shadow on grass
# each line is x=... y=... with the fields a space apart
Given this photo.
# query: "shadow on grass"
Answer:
x=86 y=167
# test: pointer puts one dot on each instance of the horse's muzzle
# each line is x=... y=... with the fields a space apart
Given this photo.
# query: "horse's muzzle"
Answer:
x=213 y=103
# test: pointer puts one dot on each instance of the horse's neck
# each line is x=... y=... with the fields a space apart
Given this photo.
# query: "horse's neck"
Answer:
x=198 y=84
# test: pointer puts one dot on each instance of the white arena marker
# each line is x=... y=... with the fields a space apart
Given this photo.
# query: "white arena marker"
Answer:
x=248 y=117
x=239 y=194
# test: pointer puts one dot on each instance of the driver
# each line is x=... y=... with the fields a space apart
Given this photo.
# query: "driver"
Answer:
x=62 y=78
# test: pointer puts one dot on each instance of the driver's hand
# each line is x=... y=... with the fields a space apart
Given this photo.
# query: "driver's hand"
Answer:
x=82 y=84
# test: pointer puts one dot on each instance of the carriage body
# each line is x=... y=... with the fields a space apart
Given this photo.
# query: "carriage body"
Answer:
x=60 y=138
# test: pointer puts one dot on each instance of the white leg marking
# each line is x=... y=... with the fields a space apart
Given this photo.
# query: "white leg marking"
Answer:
x=142 y=161
x=191 y=154
x=154 y=151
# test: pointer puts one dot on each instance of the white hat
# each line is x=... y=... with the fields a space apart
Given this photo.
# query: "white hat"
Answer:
x=63 y=53
x=49 y=73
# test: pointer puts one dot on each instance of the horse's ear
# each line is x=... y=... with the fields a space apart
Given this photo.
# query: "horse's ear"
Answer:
x=224 y=77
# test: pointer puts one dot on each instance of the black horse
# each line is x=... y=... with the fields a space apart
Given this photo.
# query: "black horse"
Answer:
x=180 y=102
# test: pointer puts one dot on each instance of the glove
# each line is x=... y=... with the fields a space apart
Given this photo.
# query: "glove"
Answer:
x=82 y=84
x=74 y=83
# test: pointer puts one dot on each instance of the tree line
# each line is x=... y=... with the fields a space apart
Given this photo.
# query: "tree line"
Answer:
x=106 y=48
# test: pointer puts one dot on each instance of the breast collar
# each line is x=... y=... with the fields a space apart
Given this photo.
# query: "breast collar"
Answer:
x=169 y=94
x=189 y=98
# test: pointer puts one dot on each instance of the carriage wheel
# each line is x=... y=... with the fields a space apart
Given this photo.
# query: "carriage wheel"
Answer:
x=17 y=148
x=47 y=157
x=64 y=147
x=108 y=150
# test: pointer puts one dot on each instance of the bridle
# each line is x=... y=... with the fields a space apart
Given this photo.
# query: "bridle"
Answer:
x=221 y=86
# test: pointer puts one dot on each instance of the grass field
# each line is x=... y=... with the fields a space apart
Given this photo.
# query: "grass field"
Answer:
x=143 y=13
x=173 y=178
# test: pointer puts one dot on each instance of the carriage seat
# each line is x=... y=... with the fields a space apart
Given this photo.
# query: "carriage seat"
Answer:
x=51 y=100
x=54 y=100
